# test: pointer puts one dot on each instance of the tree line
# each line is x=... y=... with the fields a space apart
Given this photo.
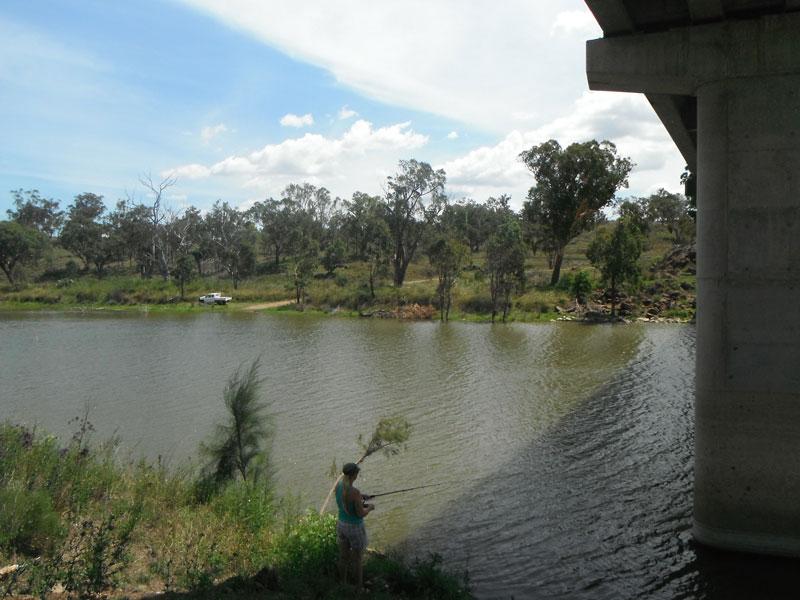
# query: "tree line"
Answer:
x=306 y=227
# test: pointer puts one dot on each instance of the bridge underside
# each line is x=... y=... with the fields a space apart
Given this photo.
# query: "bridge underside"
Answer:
x=724 y=77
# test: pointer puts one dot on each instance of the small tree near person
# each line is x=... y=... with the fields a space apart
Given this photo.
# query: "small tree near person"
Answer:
x=239 y=448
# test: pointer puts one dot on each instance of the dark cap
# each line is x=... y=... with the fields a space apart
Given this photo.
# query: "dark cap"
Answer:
x=350 y=469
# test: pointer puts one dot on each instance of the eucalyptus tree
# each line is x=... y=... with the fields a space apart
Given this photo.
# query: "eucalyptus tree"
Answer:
x=275 y=218
x=19 y=245
x=674 y=212
x=234 y=238
x=505 y=261
x=131 y=233
x=32 y=210
x=361 y=213
x=84 y=230
x=573 y=184
x=447 y=255
x=414 y=200
x=159 y=215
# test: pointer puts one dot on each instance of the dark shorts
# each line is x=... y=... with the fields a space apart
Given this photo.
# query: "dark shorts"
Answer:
x=354 y=535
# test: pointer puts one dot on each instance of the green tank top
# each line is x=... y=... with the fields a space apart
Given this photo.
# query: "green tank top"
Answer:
x=349 y=515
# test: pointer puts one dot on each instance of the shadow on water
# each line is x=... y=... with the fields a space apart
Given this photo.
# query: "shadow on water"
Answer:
x=600 y=505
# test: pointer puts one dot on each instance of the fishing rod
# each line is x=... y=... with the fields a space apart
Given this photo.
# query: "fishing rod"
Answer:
x=411 y=489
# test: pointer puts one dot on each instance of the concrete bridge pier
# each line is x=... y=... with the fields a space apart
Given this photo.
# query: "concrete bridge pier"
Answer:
x=747 y=411
x=735 y=89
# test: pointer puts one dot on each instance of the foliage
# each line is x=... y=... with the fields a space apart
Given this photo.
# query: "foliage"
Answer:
x=239 y=447
x=307 y=547
x=423 y=578
x=333 y=256
x=389 y=437
x=505 y=261
x=415 y=198
x=448 y=256
x=572 y=185
x=581 y=286
x=36 y=212
x=19 y=245
x=305 y=265
x=617 y=256
x=672 y=211
x=184 y=272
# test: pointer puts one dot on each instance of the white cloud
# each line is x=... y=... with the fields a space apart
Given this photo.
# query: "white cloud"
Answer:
x=362 y=151
x=209 y=133
x=430 y=56
x=191 y=171
x=346 y=113
x=453 y=135
x=292 y=120
x=625 y=119
x=575 y=22
x=507 y=68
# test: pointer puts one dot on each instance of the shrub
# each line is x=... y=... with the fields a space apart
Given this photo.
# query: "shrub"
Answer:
x=28 y=521
x=307 y=547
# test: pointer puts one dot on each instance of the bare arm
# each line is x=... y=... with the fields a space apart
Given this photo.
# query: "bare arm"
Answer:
x=362 y=510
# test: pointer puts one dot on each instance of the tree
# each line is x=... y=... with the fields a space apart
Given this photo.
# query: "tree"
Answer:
x=389 y=437
x=234 y=240
x=616 y=255
x=333 y=256
x=448 y=256
x=377 y=252
x=572 y=186
x=19 y=245
x=184 y=271
x=305 y=263
x=414 y=200
x=239 y=446
x=83 y=230
x=672 y=211
x=505 y=261
x=130 y=231
x=38 y=213
x=159 y=215
x=359 y=220
x=635 y=212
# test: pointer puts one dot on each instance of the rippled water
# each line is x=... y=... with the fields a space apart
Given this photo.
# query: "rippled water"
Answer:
x=564 y=451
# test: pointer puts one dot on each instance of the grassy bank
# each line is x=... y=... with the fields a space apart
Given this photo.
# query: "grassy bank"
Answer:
x=345 y=292
x=80 y=523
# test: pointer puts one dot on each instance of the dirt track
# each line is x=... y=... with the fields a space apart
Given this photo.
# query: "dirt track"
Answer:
x=263 y=305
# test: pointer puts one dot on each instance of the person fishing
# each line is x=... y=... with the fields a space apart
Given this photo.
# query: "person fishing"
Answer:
x=350 y=531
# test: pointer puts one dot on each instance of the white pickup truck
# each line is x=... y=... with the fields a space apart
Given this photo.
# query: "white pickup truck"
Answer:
x=214 y=298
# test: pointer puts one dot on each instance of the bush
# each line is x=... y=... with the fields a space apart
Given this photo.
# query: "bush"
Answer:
x=477 y=302
x=307 y=547
x=581 y=286
x=28 y=521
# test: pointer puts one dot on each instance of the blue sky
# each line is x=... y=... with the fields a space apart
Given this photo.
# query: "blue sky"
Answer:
x=239 y=98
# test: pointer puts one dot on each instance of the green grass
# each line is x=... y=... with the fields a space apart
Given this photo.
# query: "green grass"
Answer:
x=72 y=514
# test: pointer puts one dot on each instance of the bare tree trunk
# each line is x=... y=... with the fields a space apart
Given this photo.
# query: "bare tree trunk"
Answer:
x=559 y=257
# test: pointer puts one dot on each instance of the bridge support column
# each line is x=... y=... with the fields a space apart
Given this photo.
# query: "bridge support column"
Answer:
x=745 y=76
x=747 y=412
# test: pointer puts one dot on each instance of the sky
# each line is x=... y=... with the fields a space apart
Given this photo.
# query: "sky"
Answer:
x=237 y=99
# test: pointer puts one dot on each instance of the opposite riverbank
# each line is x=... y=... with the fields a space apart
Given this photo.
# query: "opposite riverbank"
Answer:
x=665 y=291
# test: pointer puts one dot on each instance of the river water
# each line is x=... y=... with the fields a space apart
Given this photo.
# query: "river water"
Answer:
x=563 y=452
